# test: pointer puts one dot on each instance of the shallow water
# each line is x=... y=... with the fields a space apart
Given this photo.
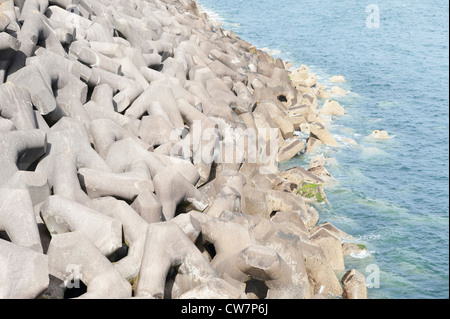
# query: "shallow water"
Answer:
x=391 y=195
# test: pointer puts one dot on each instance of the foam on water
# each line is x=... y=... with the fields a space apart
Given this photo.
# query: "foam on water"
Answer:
x=361 y=255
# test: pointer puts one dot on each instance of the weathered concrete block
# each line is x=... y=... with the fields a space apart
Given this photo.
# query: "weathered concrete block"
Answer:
x=290 y=149
x=124 y=152
x=85 y=54
x=36 y=27
x=62 y=215
x=172 y=189
x=289 y=247
x=4 y=21
x=126 y=90
x=126 y=186
x=155 y=130
x=105 y=132
x=167 y=246
x=36 y=183
x=331 y=246
x=8 y=46
x=331 y=107
x=16 y=105
x=64 y=73
x=255 y=202
x=293 y=222
x=6 y=125
x=320 y=272
x=20 y=149
x=31 y=79
x=103 y=95
x=18 y=220
x=228 y=199
x=333 y=230
x=70 y=150
x=72 y=256
x=134 y=230
x=24 y=273
x=354 y=285
x=320 y=132
x=95 y=112
x=260 y=263
x=149 y=207
x=190 y=223
x=162 y=93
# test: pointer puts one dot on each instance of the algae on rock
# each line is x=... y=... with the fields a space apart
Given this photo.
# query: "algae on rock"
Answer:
x=312 y=191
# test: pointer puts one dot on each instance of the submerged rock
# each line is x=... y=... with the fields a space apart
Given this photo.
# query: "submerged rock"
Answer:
x=331 y=107
x=354 y=250
x=380 y=135
x=337 y=78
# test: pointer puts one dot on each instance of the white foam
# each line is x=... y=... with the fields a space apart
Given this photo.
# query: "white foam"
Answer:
x=361 y=255
x=271 y=51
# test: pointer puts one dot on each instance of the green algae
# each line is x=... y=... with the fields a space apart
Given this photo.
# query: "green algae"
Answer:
x=312 y=191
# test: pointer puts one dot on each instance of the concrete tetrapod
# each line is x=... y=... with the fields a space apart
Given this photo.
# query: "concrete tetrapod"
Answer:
x=36 y=183
x=103 y=95
x=227 y=238
x=7 y=13
x=63 y=215
x=320 y=272
x=354 y=285
x=284 y=235
x=227 y=178
x=149 y=207
x=234 y=232
x=20 y=149
x=227 y=198
x=18 y=220
x=72 y=256
x=259 y=263
x=23 y=272
x=134 y=226
x=331 y=246
x=36 y=27
x=128 y=185
x=168 y=247
x=85 y=54
x=126 y=90
x=6 y=125
x=172 y=189
x=204 y=137
x=16 y=105
x=63 y=75
x=160 y=92
x=289 y=246
x=105 y=132
x=123 y=153
x=95 y=111
x=70 y=150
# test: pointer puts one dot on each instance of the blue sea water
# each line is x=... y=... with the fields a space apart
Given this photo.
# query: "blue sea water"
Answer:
x=391 y=195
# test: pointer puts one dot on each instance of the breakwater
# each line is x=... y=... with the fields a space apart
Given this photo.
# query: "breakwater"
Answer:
x=141 y=151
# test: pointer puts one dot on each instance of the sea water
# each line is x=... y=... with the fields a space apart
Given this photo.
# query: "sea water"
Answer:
x=391 y=195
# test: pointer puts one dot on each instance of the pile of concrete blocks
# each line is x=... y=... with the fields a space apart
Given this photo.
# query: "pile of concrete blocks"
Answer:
x=117 y=121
